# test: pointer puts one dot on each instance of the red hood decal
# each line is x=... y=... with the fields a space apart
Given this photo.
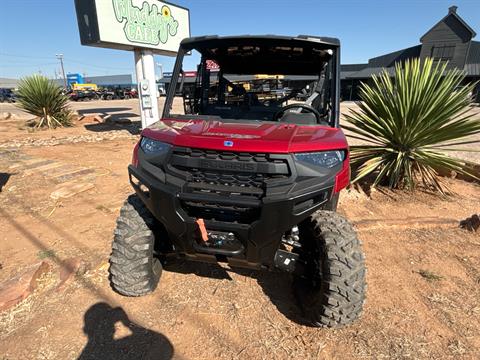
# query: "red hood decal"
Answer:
x=246 y=136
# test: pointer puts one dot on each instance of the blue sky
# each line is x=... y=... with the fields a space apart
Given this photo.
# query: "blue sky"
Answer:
x=33 y=31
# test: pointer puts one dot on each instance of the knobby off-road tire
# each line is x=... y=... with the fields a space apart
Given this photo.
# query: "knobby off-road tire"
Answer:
x=133 y=268
x=333 y=292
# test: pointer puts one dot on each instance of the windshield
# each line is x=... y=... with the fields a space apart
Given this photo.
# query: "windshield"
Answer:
x=290 y=84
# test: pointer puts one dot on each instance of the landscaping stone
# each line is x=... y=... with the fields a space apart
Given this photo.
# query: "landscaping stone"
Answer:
x=14 y=291
x=67 y=190
x=89 y=138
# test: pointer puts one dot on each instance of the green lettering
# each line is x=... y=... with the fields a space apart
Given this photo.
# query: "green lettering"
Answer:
x=148 y=24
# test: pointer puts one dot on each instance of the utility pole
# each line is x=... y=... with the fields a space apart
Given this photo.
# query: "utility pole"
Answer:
x=60 y=57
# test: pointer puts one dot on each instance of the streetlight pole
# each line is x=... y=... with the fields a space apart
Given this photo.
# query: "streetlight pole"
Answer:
x=60 y=57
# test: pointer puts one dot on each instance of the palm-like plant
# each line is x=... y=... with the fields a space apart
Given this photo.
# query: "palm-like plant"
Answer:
x=408 y=122
x=41 y=97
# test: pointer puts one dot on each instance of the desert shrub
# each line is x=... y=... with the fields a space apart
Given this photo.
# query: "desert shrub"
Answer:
x=408 y=122
x=41 y=97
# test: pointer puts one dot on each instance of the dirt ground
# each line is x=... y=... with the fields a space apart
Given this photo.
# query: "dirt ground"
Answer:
x=423 y=274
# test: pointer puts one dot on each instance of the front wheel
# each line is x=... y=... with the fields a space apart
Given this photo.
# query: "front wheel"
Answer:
x=332 y=292
x=134 y=269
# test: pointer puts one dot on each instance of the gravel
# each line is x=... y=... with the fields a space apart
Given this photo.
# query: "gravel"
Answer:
x=88 y=138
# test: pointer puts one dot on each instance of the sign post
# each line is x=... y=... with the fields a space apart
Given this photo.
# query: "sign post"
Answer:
x=147 y=88
x=146 y=27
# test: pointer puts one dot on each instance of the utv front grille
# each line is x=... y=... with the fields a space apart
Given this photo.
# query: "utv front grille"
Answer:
x=247 y=181
x=219 y=212
x=221 y=155
x=226 y=175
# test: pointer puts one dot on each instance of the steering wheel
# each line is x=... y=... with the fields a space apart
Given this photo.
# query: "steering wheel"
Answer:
x=306 y=107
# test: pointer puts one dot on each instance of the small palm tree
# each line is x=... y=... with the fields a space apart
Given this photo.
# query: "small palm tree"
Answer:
x=41 y=97
x=409 y=122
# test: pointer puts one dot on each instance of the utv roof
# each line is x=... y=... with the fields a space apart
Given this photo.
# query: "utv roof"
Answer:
x=265 y=54
x=194 y=42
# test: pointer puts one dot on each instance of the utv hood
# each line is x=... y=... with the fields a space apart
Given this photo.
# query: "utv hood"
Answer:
x=246 y=136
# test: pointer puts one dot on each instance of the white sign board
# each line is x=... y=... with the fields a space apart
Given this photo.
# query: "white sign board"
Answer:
x=133 y=24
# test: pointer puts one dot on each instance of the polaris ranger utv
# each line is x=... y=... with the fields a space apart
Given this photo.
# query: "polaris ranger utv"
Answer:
x=248 y=176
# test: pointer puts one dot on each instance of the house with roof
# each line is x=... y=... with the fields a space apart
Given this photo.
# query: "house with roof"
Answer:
x=448 y=40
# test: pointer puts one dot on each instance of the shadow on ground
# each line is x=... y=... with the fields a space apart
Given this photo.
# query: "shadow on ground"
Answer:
x=102 y=323
x=134 y=128
x=278 y=286
x=118 y=118
x=4 y=177
x=102 y=110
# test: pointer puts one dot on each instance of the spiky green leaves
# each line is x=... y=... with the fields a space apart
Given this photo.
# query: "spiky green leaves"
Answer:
x=41 y=97
x=408 y=121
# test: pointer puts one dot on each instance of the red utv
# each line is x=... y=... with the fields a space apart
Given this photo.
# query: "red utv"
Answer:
x=248 y=175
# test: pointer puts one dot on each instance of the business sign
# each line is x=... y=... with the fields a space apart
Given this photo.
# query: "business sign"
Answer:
x=133 y=24
x=212 y=65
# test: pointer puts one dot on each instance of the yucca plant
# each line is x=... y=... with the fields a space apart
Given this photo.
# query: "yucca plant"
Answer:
x=408 y=122
x=41 y=97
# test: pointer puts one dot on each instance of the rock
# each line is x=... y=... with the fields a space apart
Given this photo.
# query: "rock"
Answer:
x=107 y=135
x=19 y=288
x=69 y=269
x=6 y=115
x=471 y=224
x=89 y=119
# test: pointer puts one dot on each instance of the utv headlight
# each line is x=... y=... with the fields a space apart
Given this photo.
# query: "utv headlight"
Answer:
x=154 y=147
x=325 y=159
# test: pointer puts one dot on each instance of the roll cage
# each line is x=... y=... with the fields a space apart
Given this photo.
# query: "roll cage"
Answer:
x=245 y=56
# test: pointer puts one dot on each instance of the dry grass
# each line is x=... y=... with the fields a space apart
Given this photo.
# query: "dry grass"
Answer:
x=429 y=276
x=17 y=316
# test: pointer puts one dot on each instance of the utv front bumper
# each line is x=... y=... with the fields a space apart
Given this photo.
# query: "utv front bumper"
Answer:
x=256 y=221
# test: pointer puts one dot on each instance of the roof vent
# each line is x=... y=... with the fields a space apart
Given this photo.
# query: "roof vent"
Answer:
x=452 y=9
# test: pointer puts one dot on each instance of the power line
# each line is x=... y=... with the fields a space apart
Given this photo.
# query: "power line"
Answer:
x=97 y=66
x=24 y=56
x=66 y=60
x=26 y=65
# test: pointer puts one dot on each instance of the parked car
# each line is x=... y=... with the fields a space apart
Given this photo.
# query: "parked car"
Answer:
x=7 y=95
x=83 y=95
